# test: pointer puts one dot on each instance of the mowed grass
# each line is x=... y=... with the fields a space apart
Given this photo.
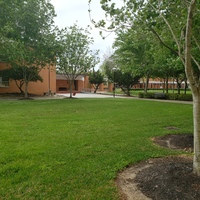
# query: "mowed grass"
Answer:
x=73 y=148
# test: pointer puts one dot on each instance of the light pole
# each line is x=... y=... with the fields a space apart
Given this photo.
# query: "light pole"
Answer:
x=114 y=81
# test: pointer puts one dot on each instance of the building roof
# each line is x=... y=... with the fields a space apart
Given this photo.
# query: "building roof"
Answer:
x=63 y=77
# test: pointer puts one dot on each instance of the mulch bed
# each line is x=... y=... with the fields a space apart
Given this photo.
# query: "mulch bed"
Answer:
x=170 y=178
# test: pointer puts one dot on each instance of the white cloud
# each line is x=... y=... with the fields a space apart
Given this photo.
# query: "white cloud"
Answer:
x=72 y=11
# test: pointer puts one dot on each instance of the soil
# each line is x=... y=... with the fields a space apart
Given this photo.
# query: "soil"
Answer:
x=168 y=178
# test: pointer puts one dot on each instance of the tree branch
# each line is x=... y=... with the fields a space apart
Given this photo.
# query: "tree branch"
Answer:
x=163 y=43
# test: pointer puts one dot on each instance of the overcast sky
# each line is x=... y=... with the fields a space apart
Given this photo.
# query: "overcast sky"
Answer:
x=72 y=11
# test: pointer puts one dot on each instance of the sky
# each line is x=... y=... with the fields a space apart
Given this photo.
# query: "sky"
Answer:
x=76 y=11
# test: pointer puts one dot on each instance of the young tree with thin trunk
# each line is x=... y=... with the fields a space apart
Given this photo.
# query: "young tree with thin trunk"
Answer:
x=96 y=79
x=75 y=57
x=16 y=74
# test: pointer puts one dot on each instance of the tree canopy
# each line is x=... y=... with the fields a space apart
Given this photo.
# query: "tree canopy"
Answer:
x=96 y=78
x=175 y=24
x=27 y=35
x=75 y=56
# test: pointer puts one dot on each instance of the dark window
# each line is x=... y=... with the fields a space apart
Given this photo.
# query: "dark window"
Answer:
x=4 y=81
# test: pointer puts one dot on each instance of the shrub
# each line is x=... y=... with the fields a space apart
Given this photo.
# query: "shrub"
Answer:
x=141 y=94
x=159 y=95
x=169 y=96
x=185 y=97
x=180 y=97
x=149 y=95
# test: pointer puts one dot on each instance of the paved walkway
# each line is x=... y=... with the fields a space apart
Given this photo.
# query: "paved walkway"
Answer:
x=106 y=95
x=89 y=95
x=92 y=95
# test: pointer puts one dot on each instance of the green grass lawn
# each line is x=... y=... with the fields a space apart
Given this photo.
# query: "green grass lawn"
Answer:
x=73 y=148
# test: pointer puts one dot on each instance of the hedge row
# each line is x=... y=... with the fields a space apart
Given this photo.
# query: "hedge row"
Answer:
x=153 y=95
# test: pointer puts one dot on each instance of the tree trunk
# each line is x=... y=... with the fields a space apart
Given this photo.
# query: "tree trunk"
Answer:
x=146 y=83
x=128 y=91
x=196 y=117
x=21 y=83
x=194 y=87
x=173 y=85
x=164 y=85
x=167 y=82
x=186 y=86
x=96 y=87
x=178 y=85
x=71 y=81
x=26 y=90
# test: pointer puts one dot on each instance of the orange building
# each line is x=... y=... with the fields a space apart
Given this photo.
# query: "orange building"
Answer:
x=48 y=86
x=81 y=84
x=56 y=83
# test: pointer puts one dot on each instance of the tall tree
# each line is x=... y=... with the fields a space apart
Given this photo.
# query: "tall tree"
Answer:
x=27 y=36
x=133 y=52
x=75 y=57
x=180 y=20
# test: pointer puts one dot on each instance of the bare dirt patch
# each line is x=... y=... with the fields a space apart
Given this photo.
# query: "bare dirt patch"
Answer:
x=167 y=178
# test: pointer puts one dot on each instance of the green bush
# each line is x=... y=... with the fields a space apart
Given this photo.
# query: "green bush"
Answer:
x=185 y=97
x=180 y=97
x=141 y=94
x=169 y=96
x=149 y=95
x=159 y=95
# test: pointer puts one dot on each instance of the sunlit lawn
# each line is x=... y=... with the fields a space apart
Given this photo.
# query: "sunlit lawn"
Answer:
x=73 y=148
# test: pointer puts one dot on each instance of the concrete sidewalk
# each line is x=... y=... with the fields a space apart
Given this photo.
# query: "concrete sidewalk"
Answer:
x=88 y=95
x=106 y=95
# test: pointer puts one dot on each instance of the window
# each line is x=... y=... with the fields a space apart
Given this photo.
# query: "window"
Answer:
x=4 y=81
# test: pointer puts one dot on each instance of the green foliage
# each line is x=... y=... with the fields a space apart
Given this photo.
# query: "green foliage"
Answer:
x=163 y=21
x=149 y=95
x=96 y=78
x=75 y=57
x=141 y=94
x=168 y=96
x=124 y=80
x=17 y=74
x=176 y=26
x=180 y=97
x=133 y=50
x=66 y=149
x=27 y=35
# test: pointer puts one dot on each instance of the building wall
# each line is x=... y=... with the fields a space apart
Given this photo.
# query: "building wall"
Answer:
x=37 y=88
x=63 y=86
x=82 y=84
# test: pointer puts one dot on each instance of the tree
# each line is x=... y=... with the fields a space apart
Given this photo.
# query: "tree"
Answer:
x=6 y=27
x=133 y=52
x=180 y=21
x=193 y=76
x=107 y=57
x=27 y=36
x=75 y=56
x=96 y=79
x=164 y=66
x=125 y=80
x=16 y=74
